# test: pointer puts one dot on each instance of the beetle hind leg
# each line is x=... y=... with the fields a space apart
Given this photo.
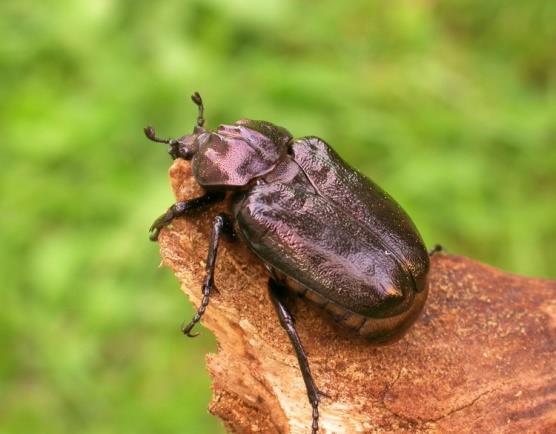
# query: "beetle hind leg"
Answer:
x=277 y=293
x=222 y=224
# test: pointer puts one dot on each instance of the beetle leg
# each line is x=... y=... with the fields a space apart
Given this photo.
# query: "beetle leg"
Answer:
x=436 y=249
x=222 y=225
x=183 y=208
x=277 y=292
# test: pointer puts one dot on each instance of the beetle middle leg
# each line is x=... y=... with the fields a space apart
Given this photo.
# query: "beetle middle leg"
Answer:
x=182 y=208
x=277 y=293
x=222 y=224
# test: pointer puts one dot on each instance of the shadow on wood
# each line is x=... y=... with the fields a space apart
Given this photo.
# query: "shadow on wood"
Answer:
x=481 y=358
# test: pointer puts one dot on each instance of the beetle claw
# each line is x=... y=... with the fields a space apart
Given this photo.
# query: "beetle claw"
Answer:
x=159 y=223
x=153 y=234
x=186 y=330
x=154 y=231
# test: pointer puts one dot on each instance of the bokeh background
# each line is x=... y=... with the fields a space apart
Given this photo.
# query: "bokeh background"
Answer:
x=450 y=106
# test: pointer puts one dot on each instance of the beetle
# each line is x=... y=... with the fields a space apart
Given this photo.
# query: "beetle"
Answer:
x=322 y=229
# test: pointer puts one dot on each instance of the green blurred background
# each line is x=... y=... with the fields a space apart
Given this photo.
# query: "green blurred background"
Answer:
x=450 y=106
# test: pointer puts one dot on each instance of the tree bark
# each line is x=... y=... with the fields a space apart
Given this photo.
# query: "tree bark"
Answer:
x=481 y=358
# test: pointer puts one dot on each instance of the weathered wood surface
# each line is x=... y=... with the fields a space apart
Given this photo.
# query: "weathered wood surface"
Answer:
x=481 y=358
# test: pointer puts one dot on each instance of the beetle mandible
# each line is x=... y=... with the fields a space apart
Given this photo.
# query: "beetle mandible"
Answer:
x=322 y=229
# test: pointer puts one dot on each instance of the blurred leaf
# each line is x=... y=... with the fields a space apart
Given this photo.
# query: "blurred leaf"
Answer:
x=450 y=106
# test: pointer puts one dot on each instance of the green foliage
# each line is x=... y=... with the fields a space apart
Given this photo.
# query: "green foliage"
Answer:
x=450 y=106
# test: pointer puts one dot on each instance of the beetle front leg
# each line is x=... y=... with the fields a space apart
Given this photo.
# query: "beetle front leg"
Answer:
x=277 y=293
x=222 y=225
x=182 y=208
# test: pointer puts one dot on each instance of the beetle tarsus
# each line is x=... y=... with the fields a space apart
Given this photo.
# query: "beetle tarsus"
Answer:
x=182 y=208
x=436 y=249
x=277 y=293
x=186 y=329
x=315 y=424
x=221 y=225
x=196 y=98
x=164 y=220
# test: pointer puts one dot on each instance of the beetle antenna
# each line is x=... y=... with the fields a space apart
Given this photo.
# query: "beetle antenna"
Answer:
x=151 y=135
x=196 y=98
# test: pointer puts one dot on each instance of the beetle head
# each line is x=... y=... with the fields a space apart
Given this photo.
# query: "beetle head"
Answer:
x=231 y=156
x=185 y=146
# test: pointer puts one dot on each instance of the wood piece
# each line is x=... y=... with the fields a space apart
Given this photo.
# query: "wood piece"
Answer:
x=481 y=358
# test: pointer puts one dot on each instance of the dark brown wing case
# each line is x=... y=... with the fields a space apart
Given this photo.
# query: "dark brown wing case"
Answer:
x=365 y=201
x=313 y=242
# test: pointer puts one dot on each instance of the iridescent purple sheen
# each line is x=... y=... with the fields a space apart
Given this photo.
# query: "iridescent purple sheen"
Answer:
x=236 y=154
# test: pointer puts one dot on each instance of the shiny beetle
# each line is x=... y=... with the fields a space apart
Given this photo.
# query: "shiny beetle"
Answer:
x=322 y=229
